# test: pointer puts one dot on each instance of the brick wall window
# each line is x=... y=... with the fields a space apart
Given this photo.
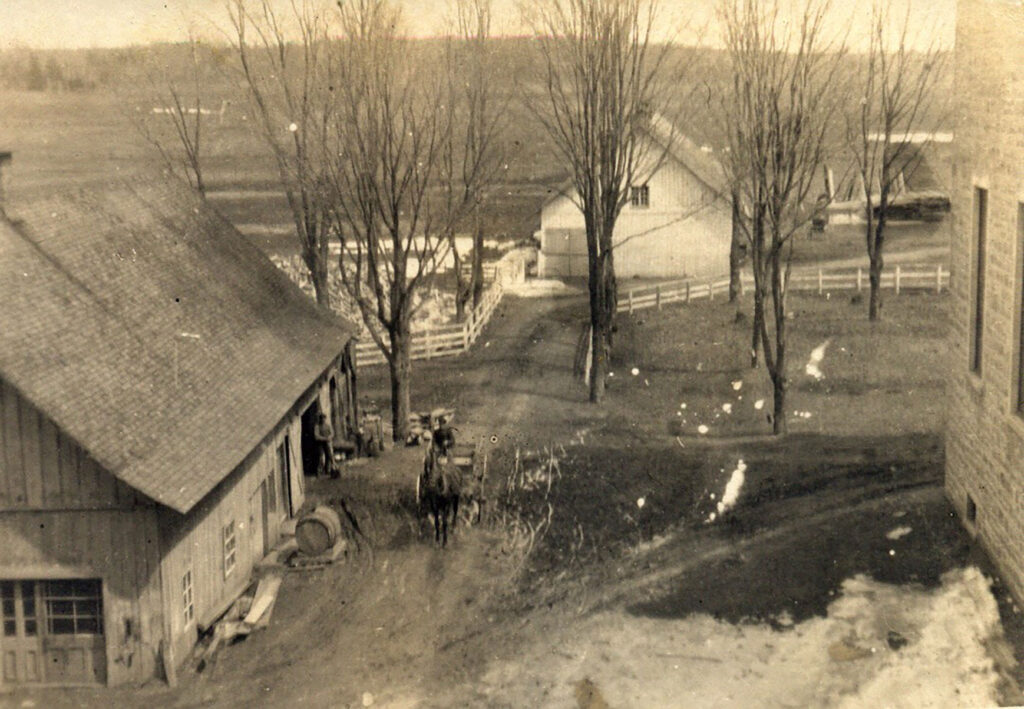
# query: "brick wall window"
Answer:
x=640 y=196
x=1020 y=315
x=188 y=608
x=980 y=229
x=230 y=545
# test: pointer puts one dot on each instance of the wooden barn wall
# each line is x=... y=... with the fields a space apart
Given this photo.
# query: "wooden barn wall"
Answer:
x=42 y=469
x=121 y=547
x=195 y=541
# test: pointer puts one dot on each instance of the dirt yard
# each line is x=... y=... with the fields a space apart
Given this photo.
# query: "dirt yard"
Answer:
x=680 y=556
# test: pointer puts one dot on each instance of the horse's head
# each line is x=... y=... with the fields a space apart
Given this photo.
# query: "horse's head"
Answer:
x=443 y=440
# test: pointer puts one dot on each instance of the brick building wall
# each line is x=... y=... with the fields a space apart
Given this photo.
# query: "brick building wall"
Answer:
x=985 y=437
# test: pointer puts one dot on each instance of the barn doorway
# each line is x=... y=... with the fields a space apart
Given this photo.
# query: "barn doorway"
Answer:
x=307 y=441
x=52 y=632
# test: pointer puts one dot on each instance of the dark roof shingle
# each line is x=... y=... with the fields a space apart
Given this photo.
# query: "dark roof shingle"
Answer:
x=102 y=296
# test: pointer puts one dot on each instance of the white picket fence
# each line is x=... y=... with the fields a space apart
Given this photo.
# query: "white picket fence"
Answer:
x=456 y=338
x=898 y=278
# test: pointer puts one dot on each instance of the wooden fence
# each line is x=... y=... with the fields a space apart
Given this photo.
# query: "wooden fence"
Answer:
x=456 y=338
x=898 y=278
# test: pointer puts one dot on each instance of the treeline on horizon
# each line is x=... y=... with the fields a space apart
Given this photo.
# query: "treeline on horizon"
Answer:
x=122 y=68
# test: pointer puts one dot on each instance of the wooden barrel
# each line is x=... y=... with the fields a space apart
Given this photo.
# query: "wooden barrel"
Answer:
x=317 y=531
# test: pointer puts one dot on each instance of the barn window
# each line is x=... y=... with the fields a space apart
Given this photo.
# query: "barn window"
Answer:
x=980 y=218
x=640 y=196
x=73 y=607
x=229 y=548
x=188 y=609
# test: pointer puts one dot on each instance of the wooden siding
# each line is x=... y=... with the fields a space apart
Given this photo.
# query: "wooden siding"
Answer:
x=120 y=547
x=684 y=231
x=195 y=541
x=43 y=469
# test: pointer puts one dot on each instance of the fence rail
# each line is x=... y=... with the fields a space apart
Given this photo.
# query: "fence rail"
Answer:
x=898 y=278
x=448 y=340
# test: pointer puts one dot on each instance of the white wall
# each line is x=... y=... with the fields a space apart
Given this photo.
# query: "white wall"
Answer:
x=685 y=231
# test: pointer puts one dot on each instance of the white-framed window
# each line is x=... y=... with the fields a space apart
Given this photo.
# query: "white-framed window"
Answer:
x=640 y=196
x=188 y=609
x=230 y=546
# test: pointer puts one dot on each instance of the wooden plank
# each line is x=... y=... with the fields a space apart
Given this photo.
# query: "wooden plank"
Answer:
x=8 y=441
x=49 y=447
x=13 y=452
x=29 y=424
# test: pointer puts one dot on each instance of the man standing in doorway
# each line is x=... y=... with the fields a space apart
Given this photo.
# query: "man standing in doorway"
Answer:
x=324 y=435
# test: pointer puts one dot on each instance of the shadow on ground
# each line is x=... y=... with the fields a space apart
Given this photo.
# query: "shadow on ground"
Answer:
x=796 y=568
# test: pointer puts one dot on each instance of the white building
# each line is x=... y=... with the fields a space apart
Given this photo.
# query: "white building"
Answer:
x=677 y=223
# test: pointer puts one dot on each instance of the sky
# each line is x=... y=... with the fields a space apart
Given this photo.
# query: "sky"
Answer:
x=113 y=23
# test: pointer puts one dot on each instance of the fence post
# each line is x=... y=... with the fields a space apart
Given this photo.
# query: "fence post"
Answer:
x=630 y=302
x=711 y=291
x=426 y=343
x=938 y=278
x=897 y=280
x=467 y=330
x=821 y=283
x=657 y=296
x=859 y=279
x=687 y=291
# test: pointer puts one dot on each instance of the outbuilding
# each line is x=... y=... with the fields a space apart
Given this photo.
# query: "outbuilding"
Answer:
x=159 y=380
x=676 y=222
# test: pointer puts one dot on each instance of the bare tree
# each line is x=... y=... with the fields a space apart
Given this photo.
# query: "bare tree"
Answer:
x=181 y=111
x=602 y=92
x=285 y=60
x=896 y=87
x=475 y=154
x=781 y=103
x=392 y=126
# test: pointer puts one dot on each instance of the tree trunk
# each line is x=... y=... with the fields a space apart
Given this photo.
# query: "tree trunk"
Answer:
x=461 y=288
x=876 y=263
x=875 y=277
x=399 y=368
x=602 y=286
x=735 y=251
x=477 y=276
x=318 y=274
x=755 y=339
x=777 y=363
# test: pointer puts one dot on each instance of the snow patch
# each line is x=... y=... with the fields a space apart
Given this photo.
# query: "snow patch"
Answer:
x=727 y=408
x=702 y=429
x=817 y=355
x=898 y=533
x=737 y=385
x=732 y=491
x=634 y=371
x=759 y=404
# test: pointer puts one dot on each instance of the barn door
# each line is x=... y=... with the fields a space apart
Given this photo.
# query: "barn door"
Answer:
x=53 y=631
x=21 y=645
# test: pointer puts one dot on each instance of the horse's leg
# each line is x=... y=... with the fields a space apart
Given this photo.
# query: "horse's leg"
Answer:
x=444 y=524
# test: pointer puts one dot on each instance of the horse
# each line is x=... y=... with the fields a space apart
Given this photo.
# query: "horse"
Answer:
x=442 y=483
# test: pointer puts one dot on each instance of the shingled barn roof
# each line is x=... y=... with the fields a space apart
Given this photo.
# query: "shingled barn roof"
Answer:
x=154 y=334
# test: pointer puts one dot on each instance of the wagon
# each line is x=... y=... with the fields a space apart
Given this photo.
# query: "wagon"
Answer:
x=472 y=463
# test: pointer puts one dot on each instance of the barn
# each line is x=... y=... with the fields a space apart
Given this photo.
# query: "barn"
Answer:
x=676 y=223
x=985 y=426
x=159 y=379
